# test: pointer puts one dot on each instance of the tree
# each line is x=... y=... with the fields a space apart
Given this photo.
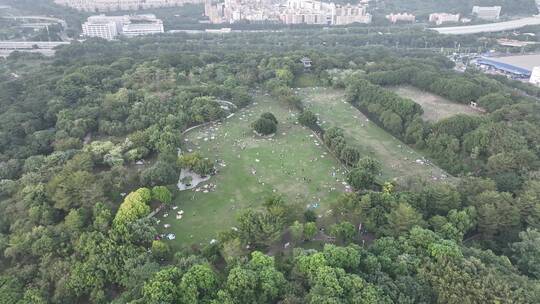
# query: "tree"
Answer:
x=196 y=163
x=204 y=167
x=232 y=250
x=285 y=75
x=160 y=250
x=74 y=221
x=198 y=285
x=392 y=122
x=297 y=231
x=162 y=194
x=159 y=173
x=259 y=227
x=402 y=218
x=264 y=126
x=494 y=101
x=498 y=216
x=526 y=252
x=256 y=282
x=308 y=119
x=529 y=204
x=363 y=176
x=134 y=207
x=74 y=189
x=310 y=215
x=344 y=231
x=350 y=155
x=162 y=287
x=347 y=258
x=269 y=116
x=439 y=198
x=310 y=230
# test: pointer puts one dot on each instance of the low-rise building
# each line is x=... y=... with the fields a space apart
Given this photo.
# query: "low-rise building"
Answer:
x=535 y=76
x=487 y=12
x=441 y=18
x=110 y=27
x=405 y=17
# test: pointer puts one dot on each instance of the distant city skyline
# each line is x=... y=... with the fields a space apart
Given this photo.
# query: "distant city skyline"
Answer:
x=115 y=5
x=287 y=12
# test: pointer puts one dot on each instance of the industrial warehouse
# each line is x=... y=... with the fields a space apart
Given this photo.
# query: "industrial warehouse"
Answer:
x=522 y=67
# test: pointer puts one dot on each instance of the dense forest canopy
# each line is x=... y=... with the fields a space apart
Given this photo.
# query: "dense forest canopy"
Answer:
x=76 y=224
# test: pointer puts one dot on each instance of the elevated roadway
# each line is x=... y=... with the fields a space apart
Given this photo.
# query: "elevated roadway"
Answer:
x=57 y=20
x=490 y=27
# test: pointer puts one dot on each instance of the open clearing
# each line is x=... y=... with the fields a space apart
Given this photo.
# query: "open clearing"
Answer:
x=435 y=107
x=281 y=163
x=397 y=159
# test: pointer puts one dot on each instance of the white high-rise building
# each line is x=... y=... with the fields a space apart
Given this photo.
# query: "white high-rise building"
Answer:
x=109 y=27
x=487 y=12
x=138 y=29
x=535 y=76
x=106 y=30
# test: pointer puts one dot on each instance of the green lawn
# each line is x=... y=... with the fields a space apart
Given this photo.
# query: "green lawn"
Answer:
x=281 y=163
x=435 y=107
x=398 y=160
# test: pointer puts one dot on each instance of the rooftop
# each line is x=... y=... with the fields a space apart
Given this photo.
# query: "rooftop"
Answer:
x=509 y=68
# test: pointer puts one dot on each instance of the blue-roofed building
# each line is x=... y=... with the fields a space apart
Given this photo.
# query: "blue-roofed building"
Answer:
x=510 y=69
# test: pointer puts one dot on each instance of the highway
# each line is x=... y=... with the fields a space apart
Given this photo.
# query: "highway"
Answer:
x=491 y=27
x=29 y=45
x=57 y=20
x=44 y=47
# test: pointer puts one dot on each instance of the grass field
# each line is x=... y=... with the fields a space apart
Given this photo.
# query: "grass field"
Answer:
x=280 y=162
x=397 y=159
x=435 y=107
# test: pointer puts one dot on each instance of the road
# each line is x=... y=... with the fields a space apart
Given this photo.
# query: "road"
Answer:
x=57 y=20
x=491 y=27
x=43 y=47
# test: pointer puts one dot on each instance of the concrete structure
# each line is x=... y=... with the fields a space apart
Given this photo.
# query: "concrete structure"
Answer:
x=405 y=17
x=535 y=76
x=440 y=18
x=306 y=62
x=114 y=5
x=102 y=29
x=491 y=27
x=487 y=12
x=223 y=30
x=507 y=69
x=110 y=27
x=526 y=61
x=142 y=25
